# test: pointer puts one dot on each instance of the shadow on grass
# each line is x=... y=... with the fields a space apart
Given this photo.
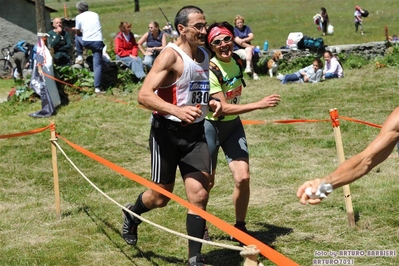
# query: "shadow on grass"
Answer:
x=219 y=257
x=225 y=257
x=149 y=255
x=356 y=214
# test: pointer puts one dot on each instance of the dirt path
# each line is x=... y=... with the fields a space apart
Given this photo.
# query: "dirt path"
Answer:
x=3 y=96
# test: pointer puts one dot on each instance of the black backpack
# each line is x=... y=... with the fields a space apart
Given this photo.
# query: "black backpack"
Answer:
x=218 y=73
x=365 y=13
x=313 y=44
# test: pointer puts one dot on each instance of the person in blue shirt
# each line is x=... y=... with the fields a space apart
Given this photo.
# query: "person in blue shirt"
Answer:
x=156 y=41
x=242 y=44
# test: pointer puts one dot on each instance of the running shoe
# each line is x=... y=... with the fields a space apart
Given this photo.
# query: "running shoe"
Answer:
x=196 y=261
x=248 y=70
x=130 y=224
x=242 y=228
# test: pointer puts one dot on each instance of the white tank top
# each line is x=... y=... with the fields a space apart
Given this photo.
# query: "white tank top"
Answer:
x=192 y=88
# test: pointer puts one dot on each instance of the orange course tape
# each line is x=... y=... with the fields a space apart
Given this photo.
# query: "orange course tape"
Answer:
x=334 y=117
x=265 y=250
x=60 y=81
x=289 y=121
x=333 y=112
x=30 y=132
x=360 y=121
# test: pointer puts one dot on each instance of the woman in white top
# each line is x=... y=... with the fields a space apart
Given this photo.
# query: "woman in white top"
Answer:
x=332 y=67
x=358 y=19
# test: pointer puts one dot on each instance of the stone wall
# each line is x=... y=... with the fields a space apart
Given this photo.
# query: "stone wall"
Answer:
x=369 y=50
x=18 y=21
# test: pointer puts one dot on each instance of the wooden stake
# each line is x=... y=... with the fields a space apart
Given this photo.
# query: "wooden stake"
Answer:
x=341 y=159
x=65 y=11
x=250 y=254
x=55 y=172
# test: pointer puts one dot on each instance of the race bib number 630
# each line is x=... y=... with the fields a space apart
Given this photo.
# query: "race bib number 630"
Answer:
x=198 y=93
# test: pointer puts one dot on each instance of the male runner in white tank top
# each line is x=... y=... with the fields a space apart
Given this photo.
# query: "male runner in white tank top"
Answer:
x=177 y=89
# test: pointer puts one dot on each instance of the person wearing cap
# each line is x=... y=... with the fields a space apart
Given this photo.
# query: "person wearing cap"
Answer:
x=358 y=19
x=228 y=132
x=88 y=23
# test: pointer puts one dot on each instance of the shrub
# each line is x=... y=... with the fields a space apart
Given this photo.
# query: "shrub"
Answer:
x=350 y=61
x=22 y=93
x=391 y=59
x=286 y=65
x=82 y=79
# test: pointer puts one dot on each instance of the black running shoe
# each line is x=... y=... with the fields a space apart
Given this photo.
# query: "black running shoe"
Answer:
x=130 y=224
x=196 y=261
x=242 y=228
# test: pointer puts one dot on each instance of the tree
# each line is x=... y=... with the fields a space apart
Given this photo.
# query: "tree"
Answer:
x=136 y=6
x=40 y=16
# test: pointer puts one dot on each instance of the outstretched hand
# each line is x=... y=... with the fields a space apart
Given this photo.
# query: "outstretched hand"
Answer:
x=270 y=101
x=304 y=197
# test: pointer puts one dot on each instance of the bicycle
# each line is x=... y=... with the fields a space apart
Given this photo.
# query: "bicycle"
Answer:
x=6 y=68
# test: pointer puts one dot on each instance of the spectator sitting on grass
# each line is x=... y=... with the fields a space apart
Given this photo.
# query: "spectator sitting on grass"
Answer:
x=127 y=51
x=311 y=74
x=156 y=41
x=242 y=44
x=332 y=67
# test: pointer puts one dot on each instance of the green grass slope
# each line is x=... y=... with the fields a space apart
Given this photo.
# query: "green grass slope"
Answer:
x=270 y=20
x=283 y=156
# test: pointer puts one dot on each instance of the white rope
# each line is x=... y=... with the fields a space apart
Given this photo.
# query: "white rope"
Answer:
x=143 y=219
x=249 y=250
x=250 y=254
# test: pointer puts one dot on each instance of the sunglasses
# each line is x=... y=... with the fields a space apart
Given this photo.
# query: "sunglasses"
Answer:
x=198 y=26
x=225 y=39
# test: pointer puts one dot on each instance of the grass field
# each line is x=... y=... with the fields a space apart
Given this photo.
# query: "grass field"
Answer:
x=283 y=156
x=270 y=20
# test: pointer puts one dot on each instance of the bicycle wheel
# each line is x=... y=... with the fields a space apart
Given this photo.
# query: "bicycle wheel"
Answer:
x=5 y=69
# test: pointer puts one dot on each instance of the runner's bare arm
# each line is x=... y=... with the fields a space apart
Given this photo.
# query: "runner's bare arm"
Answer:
x=167 y=68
